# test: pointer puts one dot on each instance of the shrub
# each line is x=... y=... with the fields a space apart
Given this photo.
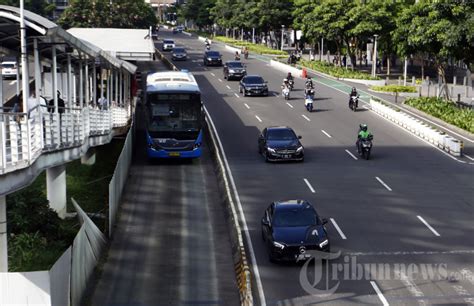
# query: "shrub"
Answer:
x=394 y=88
x=446 y=111
x=260 y=49
x=335 y=71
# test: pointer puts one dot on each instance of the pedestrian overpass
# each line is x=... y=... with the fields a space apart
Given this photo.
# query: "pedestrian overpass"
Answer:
x=42 y=133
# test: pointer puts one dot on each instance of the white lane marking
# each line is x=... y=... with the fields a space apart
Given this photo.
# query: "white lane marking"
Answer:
x=383 y=183
x=411 y=286
x=213 y=74
x=236 y=95
x=379 y=293
x=338 y=229
x=468 y=156
x=306 y=117
x=366 y=107
x=247 y=106
x=254 y=265
x=199 y=65
x=220 y=80
x=428 y=226
x=309 y=185
x=205 y=68
x=289 y=104
x=258 y=118
x=12 y=82
x=352 y=155
x=326 y=133
x=411 y=253
x=228 y=87
x=466 y=296
x=275 y=94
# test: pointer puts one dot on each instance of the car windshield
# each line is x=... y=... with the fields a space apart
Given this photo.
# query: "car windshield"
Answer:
x=178 y=50
x=254 y=80
x=7 y=65
x=213 y=53
x=168 y=42
x=281 y=134
x=235 y=65
x=295 y=217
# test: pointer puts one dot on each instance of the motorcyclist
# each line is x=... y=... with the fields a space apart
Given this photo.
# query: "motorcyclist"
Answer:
x=362 y=135
x=237 y=56
x=246 y=53
x=309 y=83
x=285 y=87
x=289 y=77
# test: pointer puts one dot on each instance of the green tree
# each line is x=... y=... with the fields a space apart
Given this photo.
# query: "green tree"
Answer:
x=198 y=11
x=104 y=14
x=40 y=7
x=440 y=29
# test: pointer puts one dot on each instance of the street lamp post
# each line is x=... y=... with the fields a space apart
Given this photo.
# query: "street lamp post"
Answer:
x=322 y=49
x=282 y=31
x=374 y=63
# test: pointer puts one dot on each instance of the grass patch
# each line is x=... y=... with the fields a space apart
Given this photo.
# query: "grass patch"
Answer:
x=445 y=110
x=336 y=71
x=37 y=236
x=394 y=88
x=256 y=48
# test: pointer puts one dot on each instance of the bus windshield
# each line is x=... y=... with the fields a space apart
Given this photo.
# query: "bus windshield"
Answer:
x=174 y=112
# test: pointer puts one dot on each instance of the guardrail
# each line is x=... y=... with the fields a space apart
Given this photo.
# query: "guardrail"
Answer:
x=445 y=142
x=25 y=136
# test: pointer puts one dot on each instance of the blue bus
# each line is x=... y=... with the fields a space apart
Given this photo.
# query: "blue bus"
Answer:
x=174 y=115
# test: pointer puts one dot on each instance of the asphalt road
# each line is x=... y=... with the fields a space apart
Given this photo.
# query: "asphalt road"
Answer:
x=171 y=245
x=408 y=209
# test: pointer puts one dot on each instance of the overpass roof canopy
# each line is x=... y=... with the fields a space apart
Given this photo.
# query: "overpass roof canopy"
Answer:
x=48 y=33
x=126 y=44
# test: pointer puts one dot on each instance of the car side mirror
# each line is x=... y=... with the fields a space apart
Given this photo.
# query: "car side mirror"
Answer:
x=265 y=222
x=324 y=220
x=299 y=137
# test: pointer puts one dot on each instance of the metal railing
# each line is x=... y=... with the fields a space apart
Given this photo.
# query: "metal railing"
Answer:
x=25 y=136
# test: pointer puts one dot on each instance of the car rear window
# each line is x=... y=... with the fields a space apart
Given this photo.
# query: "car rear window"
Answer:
x=280 y=134
x=213 y=53
x=178 y=50
x=254 y=80
x=168 y=41
x=8 y=65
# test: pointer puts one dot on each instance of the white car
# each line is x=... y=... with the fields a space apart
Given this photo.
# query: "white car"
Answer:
x=9 y=69
x=168 y=45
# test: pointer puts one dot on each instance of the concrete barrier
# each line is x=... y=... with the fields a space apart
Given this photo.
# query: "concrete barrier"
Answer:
x=286 y=68
x=233 y=49
x=230 y=198
x=187 y=33
x=419 y=128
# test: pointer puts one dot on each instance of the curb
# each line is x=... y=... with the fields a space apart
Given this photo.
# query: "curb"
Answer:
x=440 y=122
x=400 y=94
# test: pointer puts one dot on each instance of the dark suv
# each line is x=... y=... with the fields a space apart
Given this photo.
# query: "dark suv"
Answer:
x=253 y=85
x=280 y=143
x=234 y=69
x=212 y=58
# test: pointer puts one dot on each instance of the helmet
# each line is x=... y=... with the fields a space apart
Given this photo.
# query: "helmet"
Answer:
x=285 y=80
x=354 y=89
x=289 y=73
x=363 y=127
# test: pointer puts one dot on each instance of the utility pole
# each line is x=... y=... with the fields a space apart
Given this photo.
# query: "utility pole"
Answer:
x=24 y=59
x=374 y=63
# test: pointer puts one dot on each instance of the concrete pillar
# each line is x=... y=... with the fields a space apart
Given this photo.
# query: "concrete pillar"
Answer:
x=69 y=81
x=3 y=235
x=88 y=158
x=54 y=74
x=56 y=189
x=87 y=84
x=81 y=85
x=101 y=82
x=120 y=98
x=116 y=87
x=38 y=85
x=94 y=84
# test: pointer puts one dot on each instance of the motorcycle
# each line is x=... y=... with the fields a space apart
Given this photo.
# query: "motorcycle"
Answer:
x=208 y=47
x=308 y=103
x=290 y=84
x=237 y=57
x=364 y=147
x=309 y=91
x=354 y=102
x=285 y=92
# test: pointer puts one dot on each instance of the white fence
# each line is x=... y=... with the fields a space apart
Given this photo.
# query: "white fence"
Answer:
x=25 y=136
x=117 y=183
x=67 y=280
x=451 y=145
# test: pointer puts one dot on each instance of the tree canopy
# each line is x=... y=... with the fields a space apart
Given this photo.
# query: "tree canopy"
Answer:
x=40 y=7
x=107 y=14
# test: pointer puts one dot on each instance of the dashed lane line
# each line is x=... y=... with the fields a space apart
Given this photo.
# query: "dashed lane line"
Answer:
x=379 y=293
x=309 y=185
x=352 y=155
x=383 y=183
x=247 y=106
x=258 y=118
x=428 y=226
x=338 y=229
x=307 y=119
x=326 y=133
x=289 y=104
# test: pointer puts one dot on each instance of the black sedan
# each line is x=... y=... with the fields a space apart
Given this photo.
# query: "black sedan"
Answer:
x=293 y=231
x=234 y=69
x=280 y=143
x=179 y=53
x=253 y=85
x=212 y=58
